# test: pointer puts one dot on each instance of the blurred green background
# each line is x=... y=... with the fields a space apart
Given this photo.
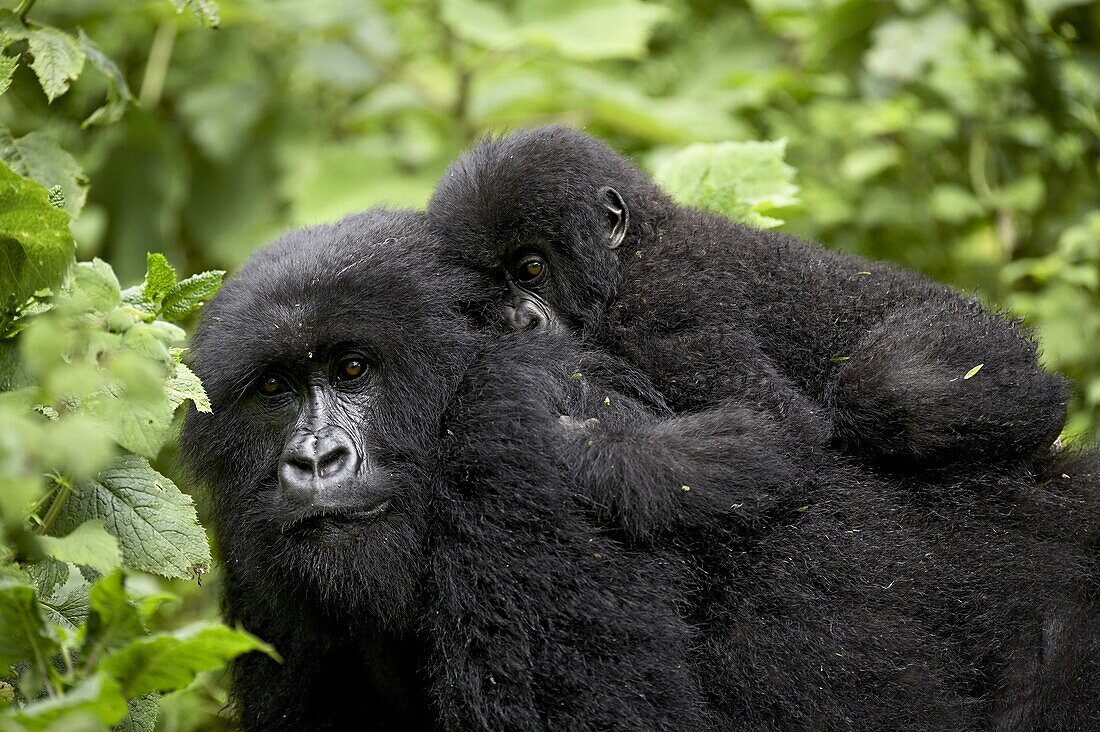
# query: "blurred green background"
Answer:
x=958 y=138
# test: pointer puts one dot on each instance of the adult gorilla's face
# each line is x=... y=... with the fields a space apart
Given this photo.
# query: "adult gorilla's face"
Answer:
x=328 y=361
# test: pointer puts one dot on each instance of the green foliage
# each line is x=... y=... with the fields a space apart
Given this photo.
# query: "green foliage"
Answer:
x=90 y=380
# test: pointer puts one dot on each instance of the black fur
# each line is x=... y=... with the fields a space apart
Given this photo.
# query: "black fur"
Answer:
x=711 y=310
x=707 y=571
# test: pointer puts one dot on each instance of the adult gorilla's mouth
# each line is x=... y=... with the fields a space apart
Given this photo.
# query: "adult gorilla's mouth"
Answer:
x=320 y=518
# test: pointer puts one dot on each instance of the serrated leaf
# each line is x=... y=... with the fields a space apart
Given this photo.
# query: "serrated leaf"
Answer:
x=119 y=96
x=97 y=696
x=96 y=286
x=8 y=65
x=24 y=634
x=166 y=662
x=36 y=246
x=160 y=278
x=744 y=181
x=38 y=157
x=58 y=59
x=205 y=10
x=67 y=604
x=185 y=385
x=89 y=545
x=113 y=621
x=191 y=294
x=155 y=524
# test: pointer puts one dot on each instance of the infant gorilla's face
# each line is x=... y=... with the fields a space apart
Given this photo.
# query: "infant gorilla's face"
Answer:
x=329 y=361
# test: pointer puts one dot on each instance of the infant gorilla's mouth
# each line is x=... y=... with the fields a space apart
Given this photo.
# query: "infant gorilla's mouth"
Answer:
x=319 y=518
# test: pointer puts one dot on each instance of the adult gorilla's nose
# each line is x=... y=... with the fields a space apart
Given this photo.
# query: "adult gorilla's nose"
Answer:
x=316 y=463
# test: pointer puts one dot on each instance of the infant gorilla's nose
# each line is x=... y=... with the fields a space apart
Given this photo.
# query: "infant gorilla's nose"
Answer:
x=314 y=464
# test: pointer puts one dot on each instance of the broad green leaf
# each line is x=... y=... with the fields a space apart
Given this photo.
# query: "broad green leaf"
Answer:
x=185 y=385
x=25 y=637
x=903 y=48
x=741 y=180
x=137 y=421
x=38 y=157
x=205 y=10
x=47 y=575
x=8 y=65
x=58 y=59
x=98 y=696
x=155 y=524
x=67 y=604
x=95 y=286
x=160 y=278
x=113 y=621
x=142 y=714
x=119 y=96
x=166 y=662
x=88 y=544
x=189 y=295
x=36 y=246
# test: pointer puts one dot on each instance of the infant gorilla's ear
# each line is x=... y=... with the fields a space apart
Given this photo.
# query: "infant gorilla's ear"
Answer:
x=618 y=217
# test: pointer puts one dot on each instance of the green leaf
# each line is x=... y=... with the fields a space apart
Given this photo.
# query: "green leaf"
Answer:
x=185 y=385
x=24 y=635
x=741 y=180
x=155 y=524
x=97 y=696
x=113 y=621
x=189 y=295
x=205 y=10
x=58 y=59
x=166 y=662
x=36 y=246
x=38 y=157
x=973 y=372
x=95 y=286
x=160 y=278
x=88 y=544
x=119 y=96
x=8 y=65
x=67 y=604
x=142 y=715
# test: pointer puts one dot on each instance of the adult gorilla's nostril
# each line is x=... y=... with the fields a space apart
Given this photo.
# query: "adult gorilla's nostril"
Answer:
x=312 y=464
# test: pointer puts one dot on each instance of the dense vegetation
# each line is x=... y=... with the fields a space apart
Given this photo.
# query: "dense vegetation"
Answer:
x=958 y=137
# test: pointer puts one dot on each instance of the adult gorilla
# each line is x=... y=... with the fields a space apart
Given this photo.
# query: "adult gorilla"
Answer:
x=404 y=514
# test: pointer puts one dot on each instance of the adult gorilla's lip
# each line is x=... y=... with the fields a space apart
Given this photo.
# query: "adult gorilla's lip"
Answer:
x=350 y=515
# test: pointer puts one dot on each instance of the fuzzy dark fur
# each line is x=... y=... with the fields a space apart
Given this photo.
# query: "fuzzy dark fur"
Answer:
x=641 y=572
x=710 y=310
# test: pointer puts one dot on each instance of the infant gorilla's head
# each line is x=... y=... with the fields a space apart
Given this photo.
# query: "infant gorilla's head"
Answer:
x=540 y=214
x=328 y=361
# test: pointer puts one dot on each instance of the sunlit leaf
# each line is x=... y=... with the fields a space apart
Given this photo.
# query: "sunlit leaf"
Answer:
x=88 y=544
x=58 y=59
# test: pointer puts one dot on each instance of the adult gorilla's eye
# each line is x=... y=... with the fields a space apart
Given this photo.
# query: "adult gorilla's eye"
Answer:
x=531 y=269
x=350 y=368
x=271 y=385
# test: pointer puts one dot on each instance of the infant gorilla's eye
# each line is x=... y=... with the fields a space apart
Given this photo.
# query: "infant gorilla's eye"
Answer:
x=350 y=368
x=531 y=269
x=271 y=385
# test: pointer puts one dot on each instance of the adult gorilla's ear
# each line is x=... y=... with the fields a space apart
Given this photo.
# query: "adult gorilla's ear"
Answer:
x=617 y=216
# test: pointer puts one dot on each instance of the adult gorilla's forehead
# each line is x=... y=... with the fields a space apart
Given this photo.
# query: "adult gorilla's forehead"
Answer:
x=370 y=277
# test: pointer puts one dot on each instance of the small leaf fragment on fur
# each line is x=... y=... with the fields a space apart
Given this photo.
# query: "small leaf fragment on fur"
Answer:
x=803 y=509
x=840 y=359
x=607 y=401
x=970 y=374
x=685 y=488
x=577 y=376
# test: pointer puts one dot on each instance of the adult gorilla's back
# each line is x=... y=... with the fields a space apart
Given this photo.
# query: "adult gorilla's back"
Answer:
x=404 y=515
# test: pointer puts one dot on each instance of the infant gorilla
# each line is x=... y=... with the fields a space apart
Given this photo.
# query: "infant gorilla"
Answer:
x=402 y=514
x=567 y=233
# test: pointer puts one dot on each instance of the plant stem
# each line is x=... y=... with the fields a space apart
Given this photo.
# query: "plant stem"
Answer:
x=23 y=8
x=58 y=504
x=156 y=68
